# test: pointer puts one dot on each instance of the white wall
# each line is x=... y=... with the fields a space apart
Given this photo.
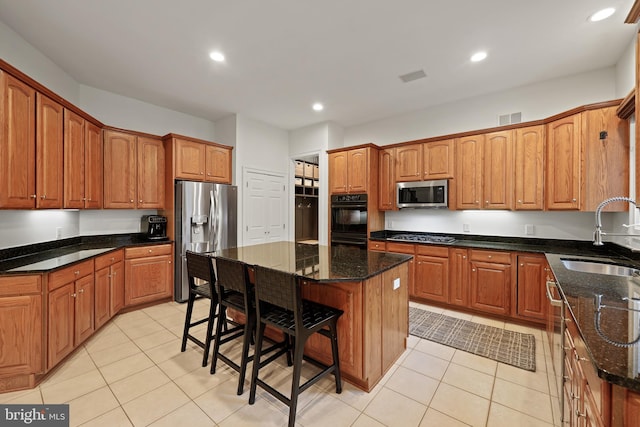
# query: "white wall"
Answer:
x=625 y=70
x=536 y=101
x=226 y=133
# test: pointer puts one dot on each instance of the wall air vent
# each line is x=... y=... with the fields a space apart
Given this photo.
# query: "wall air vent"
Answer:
x=415 y=75
x=509 y=119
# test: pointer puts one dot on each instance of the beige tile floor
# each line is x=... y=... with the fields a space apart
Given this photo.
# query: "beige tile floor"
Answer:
x=132 y=372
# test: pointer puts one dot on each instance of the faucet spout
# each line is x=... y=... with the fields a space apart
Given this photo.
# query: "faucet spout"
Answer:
x=598 y=233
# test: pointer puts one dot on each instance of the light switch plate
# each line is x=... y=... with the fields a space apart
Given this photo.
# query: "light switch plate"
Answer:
x=58 y=233
x=465 y=228
x=529 y=230
x=396 y=283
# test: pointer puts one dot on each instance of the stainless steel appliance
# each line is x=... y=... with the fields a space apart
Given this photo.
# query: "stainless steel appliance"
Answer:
x=423 y=194
x=206 y=221
x=349 y=220
x=155 y=226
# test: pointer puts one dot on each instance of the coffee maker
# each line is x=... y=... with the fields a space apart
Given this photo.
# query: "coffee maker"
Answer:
x=155 y=226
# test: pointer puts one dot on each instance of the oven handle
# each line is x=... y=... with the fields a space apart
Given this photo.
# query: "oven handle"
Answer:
x=350 y=242
x=362 y=206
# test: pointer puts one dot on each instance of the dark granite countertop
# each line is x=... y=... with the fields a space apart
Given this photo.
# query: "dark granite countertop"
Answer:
x=316 y=262
x=48 y=256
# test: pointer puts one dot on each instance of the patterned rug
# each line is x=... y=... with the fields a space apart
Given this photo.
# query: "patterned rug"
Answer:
x=513 y=348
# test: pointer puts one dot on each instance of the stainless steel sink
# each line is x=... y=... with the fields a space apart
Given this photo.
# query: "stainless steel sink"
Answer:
x=600 y=267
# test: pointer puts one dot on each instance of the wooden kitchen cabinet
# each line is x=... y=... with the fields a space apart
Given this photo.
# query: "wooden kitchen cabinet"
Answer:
x=438 y=159
x=148 y=274
x=387 y=183
x=109 y=286
x=490 y=281
x=469 y=172
x=497 y=174
x=408 y=163
x=82 y=163
x=531 y=288
x=70 y=309
x=21 y=325
x=410 y=249
x=200 y=161
x=458 y=277
x=134 y=171
x=377 y=246
x=529 y=168
x=562 y=185
x=49 y=152
x=431 y=273
x=350 y=170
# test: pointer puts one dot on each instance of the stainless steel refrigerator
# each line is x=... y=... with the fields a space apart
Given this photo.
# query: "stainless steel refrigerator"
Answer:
x=206 y=221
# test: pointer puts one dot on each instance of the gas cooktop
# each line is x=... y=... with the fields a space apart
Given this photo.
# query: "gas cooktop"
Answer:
x=422 y=238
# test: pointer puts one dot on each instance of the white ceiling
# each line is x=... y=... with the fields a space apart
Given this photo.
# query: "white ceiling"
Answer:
x=283 y=55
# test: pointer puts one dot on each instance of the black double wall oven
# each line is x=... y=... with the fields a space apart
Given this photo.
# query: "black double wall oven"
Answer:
x=349 y=220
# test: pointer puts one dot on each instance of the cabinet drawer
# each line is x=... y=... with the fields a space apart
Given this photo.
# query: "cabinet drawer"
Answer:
x=70 y=274
x=491 y=256
x=377 y=246
x=109 y=259
x=437 y=251
x=401 y=248
x=145 y=251
x=20 y=285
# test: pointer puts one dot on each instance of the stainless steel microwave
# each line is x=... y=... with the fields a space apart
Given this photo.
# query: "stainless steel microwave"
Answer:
x=423 y=194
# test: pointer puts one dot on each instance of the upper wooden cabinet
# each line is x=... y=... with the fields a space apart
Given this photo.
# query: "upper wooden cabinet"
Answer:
x=134 y=171
x=429 y=160
x=82 y=163
x=351 y=170
x=469 y=172
x=497 y=176
x=201 y=161
x=386 y=181
x=529 y=168
x=31 y=150
x=562 y=188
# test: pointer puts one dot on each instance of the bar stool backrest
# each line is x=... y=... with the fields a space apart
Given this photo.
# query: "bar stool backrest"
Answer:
x=200 y=267
x=232 y=274
x=278 y=288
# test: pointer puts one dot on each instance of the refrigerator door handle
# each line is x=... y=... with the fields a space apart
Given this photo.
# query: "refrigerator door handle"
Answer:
x=213 y=216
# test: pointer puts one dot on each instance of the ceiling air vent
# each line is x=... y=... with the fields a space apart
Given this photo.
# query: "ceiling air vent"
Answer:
x=509 y=119
x=415 y=75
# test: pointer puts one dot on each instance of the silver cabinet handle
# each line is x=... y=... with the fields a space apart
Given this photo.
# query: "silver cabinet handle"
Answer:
x=554 y=302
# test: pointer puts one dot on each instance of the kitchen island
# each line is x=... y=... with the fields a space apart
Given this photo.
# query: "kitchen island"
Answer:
x=370 y=287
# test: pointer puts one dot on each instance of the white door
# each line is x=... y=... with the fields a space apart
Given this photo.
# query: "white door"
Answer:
x=265 y=208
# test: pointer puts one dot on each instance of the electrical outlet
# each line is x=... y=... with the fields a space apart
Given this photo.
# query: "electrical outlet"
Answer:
x=529 y=229
x=465 y=228
x=396 y=283
x=58 y=233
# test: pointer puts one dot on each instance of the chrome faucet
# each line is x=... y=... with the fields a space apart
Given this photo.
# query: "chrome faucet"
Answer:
x=598 y=233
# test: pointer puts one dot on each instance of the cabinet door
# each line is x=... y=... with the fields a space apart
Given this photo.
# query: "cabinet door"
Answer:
x=74 y=160
x=532 y=277
x=338 y=172
x=190 y=160
x=529 y=168
x=497 y=187
x=84 y=309
x=119 y=170
x=147 y=279
x=469 y=172
x=18 y=147
x=358 y=170
x=49 y=152
x=116 y=296
x=150 y=173
x=387 y=183
x=102 y=296
x=60 y=323
x=437 y=161
x=431 y=278
x=21 y=331
x=562 y=188
x=490 y=287
x=408 y=161
x=92 y=166
x=218 y=164
x=458 y=277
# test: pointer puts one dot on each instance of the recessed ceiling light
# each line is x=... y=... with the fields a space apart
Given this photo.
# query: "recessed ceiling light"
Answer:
x=317 y=107
x=602 y=14
x=478 y=56
x=216 y=56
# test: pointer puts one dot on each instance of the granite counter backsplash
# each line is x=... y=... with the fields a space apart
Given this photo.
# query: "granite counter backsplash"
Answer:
x=43 y=257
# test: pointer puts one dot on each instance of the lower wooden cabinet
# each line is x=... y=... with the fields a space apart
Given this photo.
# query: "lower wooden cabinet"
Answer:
x=109 y=286
x=490 y=281
x=458 y=277
x=409 y=249
x=531 y=289
x=148 y=274
x=431 y=279
x=20 y=331
x=70 y=317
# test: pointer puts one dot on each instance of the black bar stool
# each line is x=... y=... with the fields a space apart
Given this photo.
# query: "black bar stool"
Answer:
x=235 y=291
x=279 y=304
x=200 y=267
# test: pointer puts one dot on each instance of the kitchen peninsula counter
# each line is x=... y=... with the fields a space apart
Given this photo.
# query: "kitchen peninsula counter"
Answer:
x=370 y=287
